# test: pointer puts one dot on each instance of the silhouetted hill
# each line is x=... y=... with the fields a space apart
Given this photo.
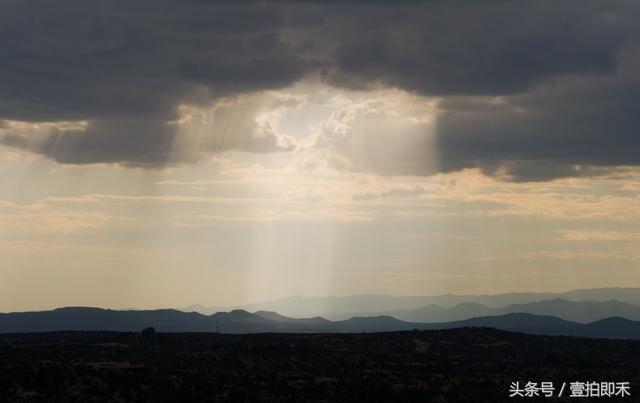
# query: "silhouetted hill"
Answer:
x=79 y=318
x=240 y=321
x=309 y=324
x=273 y=316
x=205 y=310
x=518 y=322
x=512 y=321
x=168 y=320
x=438 y=313
x=338 y=308
x=614 y=328
x=164 y=320
x=581 y=311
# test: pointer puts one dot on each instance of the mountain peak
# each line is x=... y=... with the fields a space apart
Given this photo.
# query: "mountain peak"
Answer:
x=70 y=309
x=271 y=315
x=617 y=320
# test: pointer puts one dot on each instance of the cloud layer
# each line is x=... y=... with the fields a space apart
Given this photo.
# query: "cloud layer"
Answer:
x=125 y=68
x=527 y=90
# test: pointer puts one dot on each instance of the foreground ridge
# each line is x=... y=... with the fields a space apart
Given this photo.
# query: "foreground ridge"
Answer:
x=471 y=365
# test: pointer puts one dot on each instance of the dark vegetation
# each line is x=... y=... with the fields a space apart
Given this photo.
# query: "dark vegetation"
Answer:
x=457 y=365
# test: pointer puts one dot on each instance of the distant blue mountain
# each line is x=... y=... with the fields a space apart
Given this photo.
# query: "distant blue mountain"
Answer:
x=576 y=311
x=165 y=320
x=448 y=307
x=512 y=321
x=239 y=321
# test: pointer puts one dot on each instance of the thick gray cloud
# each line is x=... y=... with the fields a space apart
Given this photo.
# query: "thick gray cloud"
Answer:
x=531 y=89
x=574 y=127
x=126 y=66
x=472 y=48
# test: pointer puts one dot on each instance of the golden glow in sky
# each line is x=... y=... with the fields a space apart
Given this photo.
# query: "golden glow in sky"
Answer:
x=308 y=190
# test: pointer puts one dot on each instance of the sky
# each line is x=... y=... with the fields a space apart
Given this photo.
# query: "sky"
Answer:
x=166 y=153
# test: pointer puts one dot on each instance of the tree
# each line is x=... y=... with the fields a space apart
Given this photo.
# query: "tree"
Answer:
x=148 y=331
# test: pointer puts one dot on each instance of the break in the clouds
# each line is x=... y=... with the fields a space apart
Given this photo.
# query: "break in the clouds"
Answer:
x=526 y=90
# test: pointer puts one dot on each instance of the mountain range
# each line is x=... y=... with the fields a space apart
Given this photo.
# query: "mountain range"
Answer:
x=617 y=302
x=240 y=321
x=581 y=311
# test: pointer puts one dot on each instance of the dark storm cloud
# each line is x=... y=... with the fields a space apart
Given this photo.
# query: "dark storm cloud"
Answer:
x=532 y=90
x=76 y=59
x=466 y=48
x=125 y=66
x=574 y=127
x=564 y=72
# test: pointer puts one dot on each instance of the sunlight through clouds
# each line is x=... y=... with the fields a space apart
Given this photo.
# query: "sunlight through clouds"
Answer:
x=307 y=190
